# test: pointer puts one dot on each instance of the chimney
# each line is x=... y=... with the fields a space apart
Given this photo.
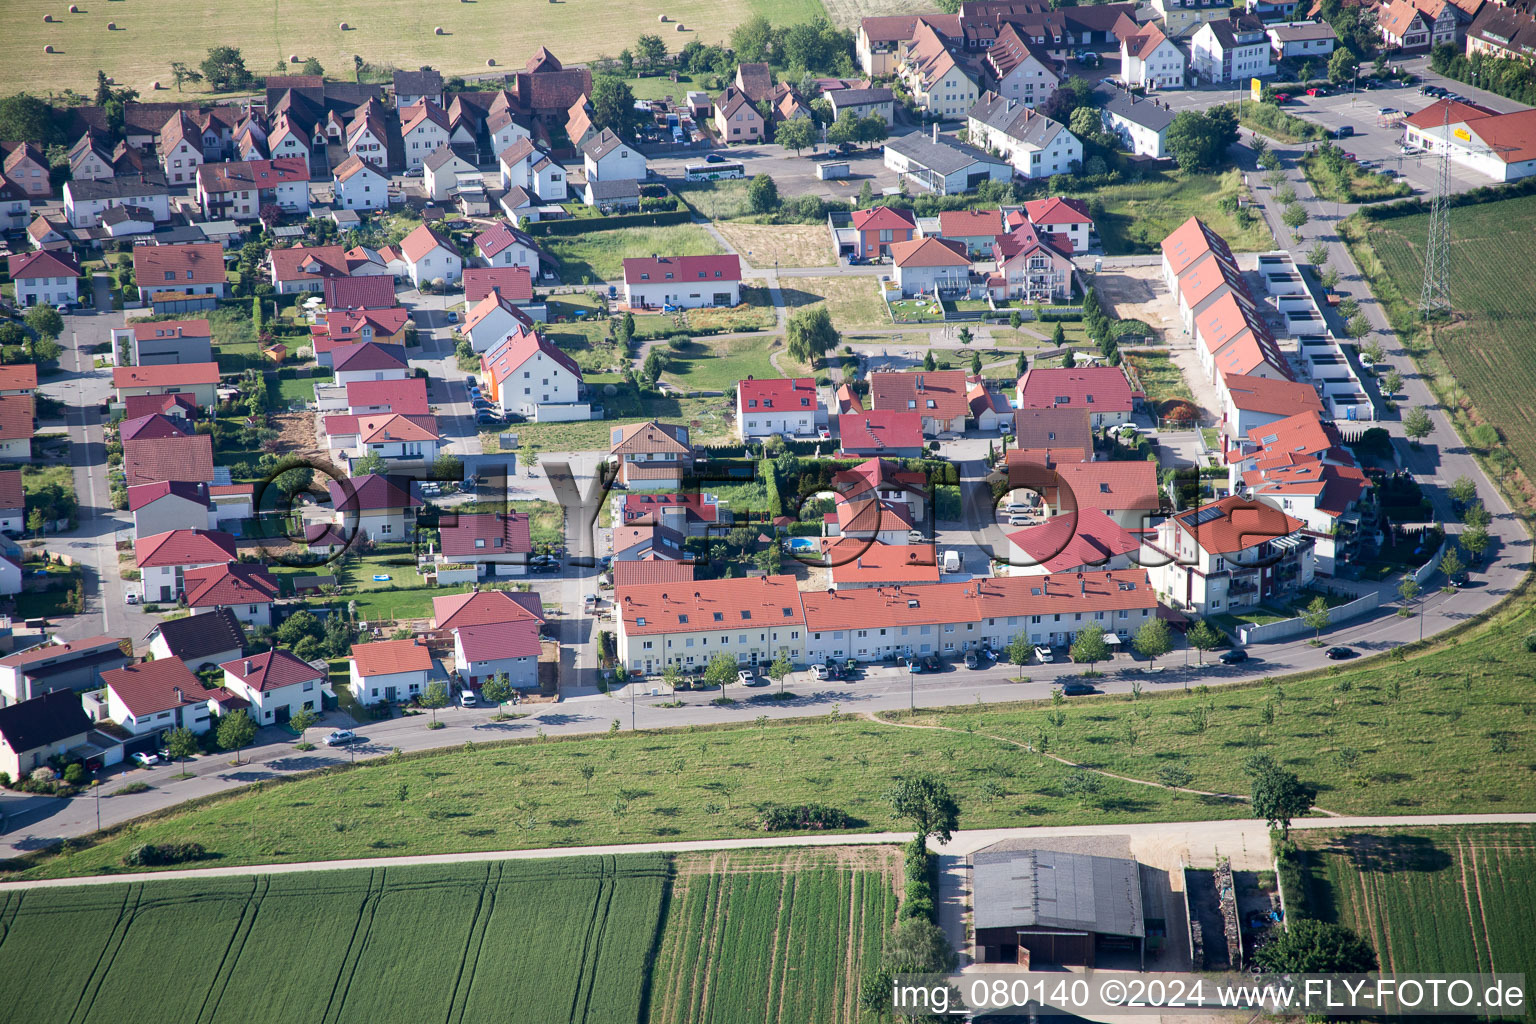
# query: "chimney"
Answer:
x=179 y=698
x=247 y=666
x=935 y=131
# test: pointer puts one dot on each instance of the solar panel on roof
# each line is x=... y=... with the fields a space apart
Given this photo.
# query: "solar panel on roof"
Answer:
x=1208 y=515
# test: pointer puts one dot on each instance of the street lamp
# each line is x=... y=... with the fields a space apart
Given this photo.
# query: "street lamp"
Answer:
x=911 y=689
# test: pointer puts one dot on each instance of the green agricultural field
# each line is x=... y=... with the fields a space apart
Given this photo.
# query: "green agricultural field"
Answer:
x=772 y=935
x=599 y=255
x=399 y=33
x=566 y=940
x=1430 y=899
x=1137 y=216
x=1486 y=348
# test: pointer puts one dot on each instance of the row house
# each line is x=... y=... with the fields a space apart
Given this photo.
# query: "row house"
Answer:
x=358 y=184
x=1149 y=59
x=687 y=624
x=1141 y=124
x=238 y=191
x=941 y=84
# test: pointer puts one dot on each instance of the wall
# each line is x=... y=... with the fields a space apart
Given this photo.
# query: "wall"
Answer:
x=1287 y=628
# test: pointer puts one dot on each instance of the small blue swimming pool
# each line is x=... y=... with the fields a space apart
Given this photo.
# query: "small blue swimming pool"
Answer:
x=806 y=544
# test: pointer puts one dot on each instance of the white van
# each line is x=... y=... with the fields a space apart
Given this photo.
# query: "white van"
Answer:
x=952 y=561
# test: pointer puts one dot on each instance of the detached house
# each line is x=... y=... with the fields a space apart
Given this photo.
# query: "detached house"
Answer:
x=687 y=282
x=1017 y=69
x=86 y=201
x=493 y=632
x=166 y=505
x=1031 y=266
x=526 y=166
x=197 y=380
x=32 y=731
x=196 y=268
x=528 y=374
x=1408 y=25
x=879 y=227
x=45 y=277
x=245 y=591
x=306 y=268
x=153 y=697
x=939 y=397
x=164 y=559
x=785 y=407
x=932 y=266
x=441 y=171
x=1102 y=390
x=369 y=360
x=607 y=157
x=651 y=456
x=1233 y=553
x=1140 y=124
x=381 y=508
x=430 y=257
x=1303 y=40
x=389 y=670
x=1066 y=219
x=503 y=245
x=360 y=185
x=412 y=87
x=25 y=166
x=939 y=83
x=277 y=684
x=496 y=542
x=736 y=119
x=199 y=641
x=493 y=319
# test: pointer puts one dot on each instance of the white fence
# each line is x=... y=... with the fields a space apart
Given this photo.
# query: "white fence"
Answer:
x=1287 y=628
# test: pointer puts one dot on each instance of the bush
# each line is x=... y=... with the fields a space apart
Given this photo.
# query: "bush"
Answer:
x=803 y=817
x=5 y=780
x=74 y=774
x=1530 y=645
x=158 y=854
x=132 y=788
x=916 y=908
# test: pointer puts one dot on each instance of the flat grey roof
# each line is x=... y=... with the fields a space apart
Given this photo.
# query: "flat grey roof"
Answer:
x=1053 y=889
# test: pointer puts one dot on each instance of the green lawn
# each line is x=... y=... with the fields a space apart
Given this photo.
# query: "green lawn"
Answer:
x=853 y=302
x=916 y=311
x=706 y=418
x=298 y=389
x=599 y=255
x=1137 y=216
x=1353 y=185
x=1159 y=376
x=1443 y=900
x=707 y=365
x=590 y=344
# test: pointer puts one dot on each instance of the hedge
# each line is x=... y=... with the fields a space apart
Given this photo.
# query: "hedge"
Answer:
x=583 y=225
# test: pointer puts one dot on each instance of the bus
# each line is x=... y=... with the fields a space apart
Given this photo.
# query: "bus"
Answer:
x=715 y=172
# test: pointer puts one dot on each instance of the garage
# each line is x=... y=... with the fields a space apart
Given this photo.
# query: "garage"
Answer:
x=1034 y=907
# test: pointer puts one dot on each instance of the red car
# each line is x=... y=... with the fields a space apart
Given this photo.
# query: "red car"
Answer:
x=1317 y=90
x=1282 y=97
x=1349 y=156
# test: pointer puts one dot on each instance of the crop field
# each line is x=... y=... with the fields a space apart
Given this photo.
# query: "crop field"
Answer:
x=561 y=940
x=772 y=935
x=1487 y=346
x=1430 y=899
x=150 y=35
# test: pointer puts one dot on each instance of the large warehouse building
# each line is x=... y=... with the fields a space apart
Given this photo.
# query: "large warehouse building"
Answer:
x=1047 y=907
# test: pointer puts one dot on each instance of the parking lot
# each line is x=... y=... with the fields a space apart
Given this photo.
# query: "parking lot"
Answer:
x=795 y=175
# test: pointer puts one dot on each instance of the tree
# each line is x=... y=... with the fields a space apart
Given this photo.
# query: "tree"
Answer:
x=1020 y=650
x=235 y=731
x=1474 y=540
x=1342 y=66
x=781 y=667
x=1174 y=775
x=1476 y=514
x=650 y=52
x=1310 y=946
x=1318 y=615
x=184 y=75
x=1451 y=565
x=1277 y=794
x=225 y=69
x=844 y=129
x=1293 y=216
x=763 y=194
x=926 y=804
x=797 y=133
x=1069 y=360
x=809 y=334
x=871 y=129
x=1417 y=425
x=1329 y=278
x=975 y=362
x=1021 y=364
x=1318 y=254
x=966 y=337
x=180 y=744
x=1086 y=123
x=1391 y=383
x=1357 y=327
x=1408 y=590
x=436 y=696
x=497 y=689
x=752 y=39
x=373 y=462
x=1197 y=141
x=46 y=321
x=297 y=626
x=1202 y=637
x=929 y=363
x=1089 y=647
x=1463 y=490
x=613 y=105
x=1153 y=640
x=721 y=670
x=586 y=772
x=1058 y=335
x=312 y=67
x=302 y=719
x=24 y=117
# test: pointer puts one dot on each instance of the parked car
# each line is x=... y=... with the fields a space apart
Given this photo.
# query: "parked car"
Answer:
x=1076 y=689
x=1318 y=90
x=340 y=738
x=144 y=759
x=546 y=568
x=453 y=318
x=819 y=671
x=1343 y=131
x=744 y=677
x=1044 y=654
x=470 y=380
x=1281 y=97
x=467 y=698
x=1341 y=653
x=131 y=597
x=852 y=668
x=931 y=663
x=1233 y=657
x=971 y=660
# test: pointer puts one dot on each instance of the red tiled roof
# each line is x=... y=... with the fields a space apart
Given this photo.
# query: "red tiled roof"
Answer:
x=149 y=428
x=142 y=494
x=136 y=406
x=502 y=640
x=229 y=584
x=1107 y=486
x=485 y=533
x=646 y=508
x=422 y=241
x=899 y=392
x=1242 y=524
x=354 y=165
x=971 y=223
x=779 y=394
x=151 y=687
x=309 y=262
x=854 y=561
x=45 y=651
x=43 y=263
x=16 y=413
x=167 y=375
x=1096 y=388
x=630 y=574
x=392 y=426
x=883 y=218
x=408 y=396
x=930 y=252
x=1188 y=242
x=500 y=237
x=755 y=602
x=1301 y=434
x=1073 y=540
x=374 y=492
x=11 y=494
x=184 y=547
x=203 y=260
x=168 y=458
x=18 y=377
x=486 y=608
x=514 y=350
x=645 y=270
x=514 y=283
x=345 y=327
x=368 y=355
x=1057 y=210
x=977 y=599
x=272 y=670
x=148 y=330
x=875 y=473
x=386 y=657
x=868 y=515
x=1276 y=397
x=371 y=291
x=879 y=430
x=1511 y=137
x=248 y=175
